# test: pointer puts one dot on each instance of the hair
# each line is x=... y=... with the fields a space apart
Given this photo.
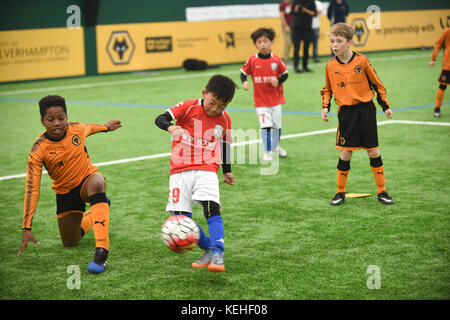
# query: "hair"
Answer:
x=263 y=32
x=52 y=101
x=343 y=30
x=222 y=87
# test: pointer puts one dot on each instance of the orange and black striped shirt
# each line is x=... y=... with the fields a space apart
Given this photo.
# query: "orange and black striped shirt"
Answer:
x=443 y=41
x=352 y=83
x=66 y=161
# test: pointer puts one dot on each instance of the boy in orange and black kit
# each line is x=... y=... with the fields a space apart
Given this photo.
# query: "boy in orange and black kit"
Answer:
x=352 y=79
x=61 y=149
x=444 y=78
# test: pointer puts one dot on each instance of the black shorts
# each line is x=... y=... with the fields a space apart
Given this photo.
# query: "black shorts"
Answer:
x=444 y=78
x=71 y=201
x=357 y=127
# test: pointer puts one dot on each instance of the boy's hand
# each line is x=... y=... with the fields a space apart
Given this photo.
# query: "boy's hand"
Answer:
x=113 y=124
x=245 y=85
x=175 y=131
x=324 y=114
x=229 y=178
x=431 y=63
x=389 y=113
x=274 y=82
x=27 y=237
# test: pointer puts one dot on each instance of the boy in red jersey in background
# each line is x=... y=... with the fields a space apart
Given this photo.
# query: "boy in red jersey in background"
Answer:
x=61 y=149
x=352 y=79
x=201 y=139
x=268 y=73
x=444 y=78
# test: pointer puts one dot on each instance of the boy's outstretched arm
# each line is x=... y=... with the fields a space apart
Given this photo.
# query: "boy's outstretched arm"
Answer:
x=163 y=121
x=113 y=124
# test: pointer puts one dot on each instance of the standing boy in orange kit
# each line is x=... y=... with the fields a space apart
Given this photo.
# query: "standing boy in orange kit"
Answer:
x=352 y=79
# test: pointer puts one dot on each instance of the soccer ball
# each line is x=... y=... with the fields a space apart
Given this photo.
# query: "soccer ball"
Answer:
x=180 y=233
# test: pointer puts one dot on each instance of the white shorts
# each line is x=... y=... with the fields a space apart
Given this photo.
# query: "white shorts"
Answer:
x=192 y=185
x=269 y=117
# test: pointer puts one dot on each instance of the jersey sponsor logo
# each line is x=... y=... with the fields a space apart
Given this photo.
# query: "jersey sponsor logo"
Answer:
x=198 y=142
x=265 y=79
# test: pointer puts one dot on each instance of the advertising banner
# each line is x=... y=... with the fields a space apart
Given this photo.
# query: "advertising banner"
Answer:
x=141 y=46
x=41 y=53
x=397 y=29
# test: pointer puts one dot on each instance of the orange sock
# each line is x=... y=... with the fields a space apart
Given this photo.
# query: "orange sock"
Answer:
x=86 y=223
x=380 y=180
x=341 y=180
x=439 y=98
x=100 y=220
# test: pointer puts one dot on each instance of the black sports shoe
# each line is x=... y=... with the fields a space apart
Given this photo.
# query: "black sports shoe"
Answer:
x=437 y=113
x=385 y=198
x=307 y=70
x=98 y=264
x=338 y=199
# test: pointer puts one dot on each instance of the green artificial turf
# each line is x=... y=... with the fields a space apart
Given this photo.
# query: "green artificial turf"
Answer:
x=283 y=239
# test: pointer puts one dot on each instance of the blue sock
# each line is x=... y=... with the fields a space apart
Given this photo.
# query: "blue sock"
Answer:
x=216 y=233
x=276 y=136
x=266 y=137
x=204 y=242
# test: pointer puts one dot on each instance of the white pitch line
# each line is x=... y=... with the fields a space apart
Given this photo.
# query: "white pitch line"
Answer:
x=110 y=83
x=288 y=136
x=429 y=123
x=174 y=77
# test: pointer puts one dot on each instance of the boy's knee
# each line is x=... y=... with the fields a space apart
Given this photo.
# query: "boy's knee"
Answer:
x=71 y=241
x=210 y=209
x=94 y=185
x=373 y=153
x=346 y=155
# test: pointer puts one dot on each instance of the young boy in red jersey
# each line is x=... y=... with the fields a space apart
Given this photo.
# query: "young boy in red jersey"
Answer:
x=201 y=139
x=352 y=79
x=61 y=149
x=444 y=78
x=268 y=73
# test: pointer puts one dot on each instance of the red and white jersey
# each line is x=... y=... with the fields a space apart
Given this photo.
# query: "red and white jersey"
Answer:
x=199 y=147
x=262 y=71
